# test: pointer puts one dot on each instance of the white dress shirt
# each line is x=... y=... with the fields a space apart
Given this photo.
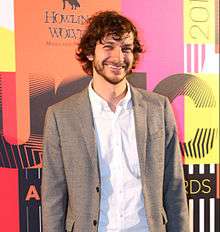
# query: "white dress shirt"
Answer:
x=122 y=204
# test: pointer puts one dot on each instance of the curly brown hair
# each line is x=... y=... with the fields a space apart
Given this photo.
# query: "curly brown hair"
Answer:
x=100 y=25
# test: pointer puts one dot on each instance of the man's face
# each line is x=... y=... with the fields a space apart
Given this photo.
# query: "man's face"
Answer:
x=113 y=58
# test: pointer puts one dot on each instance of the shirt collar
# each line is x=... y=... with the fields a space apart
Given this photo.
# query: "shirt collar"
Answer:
x=98 y=103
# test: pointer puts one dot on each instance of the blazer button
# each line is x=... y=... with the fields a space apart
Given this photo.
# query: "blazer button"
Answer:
x=94 y=222
x=97 y=189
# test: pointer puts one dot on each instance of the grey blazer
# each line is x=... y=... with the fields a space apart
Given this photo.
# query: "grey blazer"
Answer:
x=71 y=178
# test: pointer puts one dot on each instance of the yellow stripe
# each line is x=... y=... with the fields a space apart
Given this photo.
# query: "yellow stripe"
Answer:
x=199 y=21
x=7 y=51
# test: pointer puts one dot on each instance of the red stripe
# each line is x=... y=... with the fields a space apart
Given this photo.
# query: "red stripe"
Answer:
x=218 y=181
x=9 y=198
x=9 y=111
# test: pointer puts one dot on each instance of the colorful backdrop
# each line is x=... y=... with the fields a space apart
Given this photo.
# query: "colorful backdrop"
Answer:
x=38 y=68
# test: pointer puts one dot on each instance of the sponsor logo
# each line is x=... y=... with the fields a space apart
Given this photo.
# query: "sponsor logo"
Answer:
x=74 y=4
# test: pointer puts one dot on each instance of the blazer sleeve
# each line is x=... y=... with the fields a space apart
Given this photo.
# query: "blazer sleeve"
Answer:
x=175 y=202
x=53 y=186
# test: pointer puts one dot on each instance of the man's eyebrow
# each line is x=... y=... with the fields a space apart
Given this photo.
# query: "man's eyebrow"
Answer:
x=128 y=45
x=113 y=42
x=107 y=42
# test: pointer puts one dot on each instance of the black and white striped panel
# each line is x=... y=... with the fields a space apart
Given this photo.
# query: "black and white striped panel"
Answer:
x=203 y=208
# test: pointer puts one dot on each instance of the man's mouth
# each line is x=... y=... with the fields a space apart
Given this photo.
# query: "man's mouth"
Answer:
x=116 y=67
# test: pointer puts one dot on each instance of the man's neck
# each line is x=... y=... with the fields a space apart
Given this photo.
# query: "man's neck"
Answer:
x=111 y=93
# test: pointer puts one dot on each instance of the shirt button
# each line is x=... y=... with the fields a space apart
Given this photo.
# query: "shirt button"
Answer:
x=94 y=222
x=97 y=189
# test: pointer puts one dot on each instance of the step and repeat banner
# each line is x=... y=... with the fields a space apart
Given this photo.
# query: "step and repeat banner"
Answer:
x=38 y=68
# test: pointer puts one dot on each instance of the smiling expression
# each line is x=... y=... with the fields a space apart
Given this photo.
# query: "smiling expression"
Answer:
x=113 y=59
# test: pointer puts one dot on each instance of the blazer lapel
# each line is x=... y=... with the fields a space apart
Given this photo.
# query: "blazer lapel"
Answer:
x=86 y=124
x=140 y=116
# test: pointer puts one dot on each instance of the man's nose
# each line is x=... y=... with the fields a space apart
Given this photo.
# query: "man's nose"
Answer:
x=118 y=54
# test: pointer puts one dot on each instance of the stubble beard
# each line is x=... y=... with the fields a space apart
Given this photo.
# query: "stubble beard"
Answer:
x=100 y=70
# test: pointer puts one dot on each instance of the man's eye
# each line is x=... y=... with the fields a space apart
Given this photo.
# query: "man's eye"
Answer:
x=127 y=50
x=108 y=47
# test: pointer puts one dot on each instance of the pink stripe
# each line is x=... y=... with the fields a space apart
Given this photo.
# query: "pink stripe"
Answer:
x=160 y=25
x=203 y=55
x=9 y=200
x=189 y=58
x=196 y=65
x=178 y=104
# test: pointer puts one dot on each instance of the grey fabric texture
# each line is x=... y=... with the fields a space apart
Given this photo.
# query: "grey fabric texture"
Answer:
x=70 y=199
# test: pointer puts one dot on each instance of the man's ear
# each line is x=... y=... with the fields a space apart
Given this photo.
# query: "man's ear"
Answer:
x=90 y=57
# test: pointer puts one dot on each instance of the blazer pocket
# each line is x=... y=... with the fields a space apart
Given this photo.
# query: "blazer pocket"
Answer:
x=164 y=216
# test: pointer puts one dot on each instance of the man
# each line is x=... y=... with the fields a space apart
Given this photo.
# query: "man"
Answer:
x=111 y=157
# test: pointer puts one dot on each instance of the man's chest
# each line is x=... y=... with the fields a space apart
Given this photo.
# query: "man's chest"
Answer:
x=117 y=145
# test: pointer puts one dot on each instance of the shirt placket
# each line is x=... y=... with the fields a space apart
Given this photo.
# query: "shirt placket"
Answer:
x=119 y=168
